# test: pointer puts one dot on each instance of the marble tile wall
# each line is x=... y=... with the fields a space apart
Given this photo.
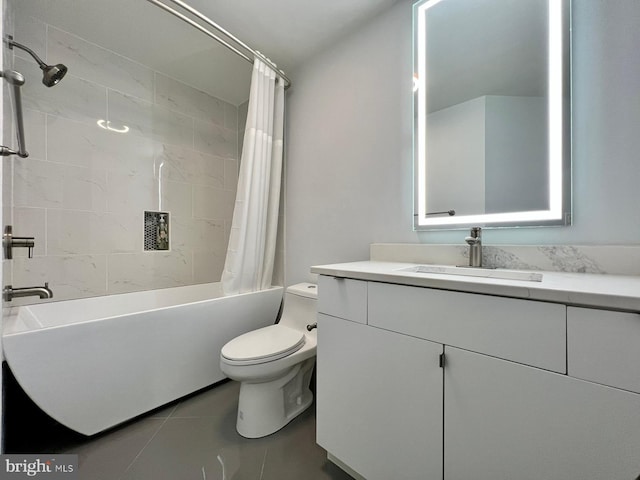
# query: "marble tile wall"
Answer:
x=83 y=190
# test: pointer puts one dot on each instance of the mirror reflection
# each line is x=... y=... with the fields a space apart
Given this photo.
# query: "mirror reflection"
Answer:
x=490 y=117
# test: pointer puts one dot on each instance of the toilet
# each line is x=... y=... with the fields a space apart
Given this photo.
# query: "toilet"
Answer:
x=274 y=365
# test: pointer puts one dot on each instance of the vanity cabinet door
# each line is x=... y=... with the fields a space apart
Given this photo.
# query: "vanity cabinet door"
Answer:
x=506 y=421
x=379 y=400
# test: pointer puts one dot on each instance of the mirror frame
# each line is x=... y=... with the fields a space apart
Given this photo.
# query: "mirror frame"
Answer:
x=559 y=131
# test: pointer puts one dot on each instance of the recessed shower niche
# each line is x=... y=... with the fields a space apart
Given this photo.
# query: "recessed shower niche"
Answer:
x=156 y=231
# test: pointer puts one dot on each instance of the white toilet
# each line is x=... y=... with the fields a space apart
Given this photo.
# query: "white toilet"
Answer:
x=274 y=365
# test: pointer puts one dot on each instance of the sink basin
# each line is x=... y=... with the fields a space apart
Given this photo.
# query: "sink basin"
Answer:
x=476 y=272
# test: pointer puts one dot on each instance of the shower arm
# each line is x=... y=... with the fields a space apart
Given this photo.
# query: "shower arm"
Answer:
x=16 y=80
x=13 y=43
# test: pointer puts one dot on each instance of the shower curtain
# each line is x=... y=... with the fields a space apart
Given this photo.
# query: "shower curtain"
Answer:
x=252 y=243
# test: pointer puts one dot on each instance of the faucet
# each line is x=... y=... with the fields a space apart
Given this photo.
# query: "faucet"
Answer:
x=43 y=292
x=475 y=247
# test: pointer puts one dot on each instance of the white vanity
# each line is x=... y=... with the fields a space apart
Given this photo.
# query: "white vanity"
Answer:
x=432 y=376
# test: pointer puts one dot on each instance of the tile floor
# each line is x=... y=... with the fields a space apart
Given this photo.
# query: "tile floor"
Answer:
x=195 y=439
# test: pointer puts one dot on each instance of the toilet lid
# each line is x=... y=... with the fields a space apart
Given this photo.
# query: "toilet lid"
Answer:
x=263 y=345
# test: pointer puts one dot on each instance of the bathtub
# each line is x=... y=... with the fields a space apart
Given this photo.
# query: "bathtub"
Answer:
x=94 y=363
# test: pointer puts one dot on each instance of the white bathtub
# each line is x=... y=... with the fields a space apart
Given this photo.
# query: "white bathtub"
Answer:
x=96 y=362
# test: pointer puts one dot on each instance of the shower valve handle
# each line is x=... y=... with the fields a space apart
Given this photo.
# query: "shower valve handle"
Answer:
x=9 y=242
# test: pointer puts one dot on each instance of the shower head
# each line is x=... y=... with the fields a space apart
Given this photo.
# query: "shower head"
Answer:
x=52 y=74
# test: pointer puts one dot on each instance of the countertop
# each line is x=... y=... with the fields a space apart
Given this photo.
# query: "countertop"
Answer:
x=616 y=292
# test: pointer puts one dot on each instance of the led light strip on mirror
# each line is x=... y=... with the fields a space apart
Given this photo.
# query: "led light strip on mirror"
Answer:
x=557 y=213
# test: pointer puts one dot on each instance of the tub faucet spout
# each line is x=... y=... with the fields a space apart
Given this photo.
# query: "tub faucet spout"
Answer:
x=475 y=247
x=43 y=292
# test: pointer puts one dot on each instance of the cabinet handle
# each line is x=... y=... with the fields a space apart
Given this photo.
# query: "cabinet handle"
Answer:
x=442 y=360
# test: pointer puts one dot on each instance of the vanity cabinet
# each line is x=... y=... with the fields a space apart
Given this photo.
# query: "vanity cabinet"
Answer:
x=506 y=421
x=499 y=404
x=379 y=397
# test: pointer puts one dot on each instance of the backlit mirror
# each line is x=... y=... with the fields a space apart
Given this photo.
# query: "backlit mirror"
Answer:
x=491 y=113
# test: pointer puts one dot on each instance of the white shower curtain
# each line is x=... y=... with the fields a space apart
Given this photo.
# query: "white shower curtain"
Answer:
x=252 y=244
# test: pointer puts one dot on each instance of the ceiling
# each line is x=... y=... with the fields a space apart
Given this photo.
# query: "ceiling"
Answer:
x=287 y=31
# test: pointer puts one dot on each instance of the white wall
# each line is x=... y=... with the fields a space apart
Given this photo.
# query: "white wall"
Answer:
x=456 y=169
x=349 y=168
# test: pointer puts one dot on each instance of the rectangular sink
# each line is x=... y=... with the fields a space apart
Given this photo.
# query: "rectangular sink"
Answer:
x=476 y=272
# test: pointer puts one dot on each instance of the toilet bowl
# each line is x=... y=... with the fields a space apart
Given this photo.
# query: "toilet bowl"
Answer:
x=274 y=366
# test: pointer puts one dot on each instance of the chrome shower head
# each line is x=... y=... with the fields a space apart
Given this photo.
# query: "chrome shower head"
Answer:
x=52 y=74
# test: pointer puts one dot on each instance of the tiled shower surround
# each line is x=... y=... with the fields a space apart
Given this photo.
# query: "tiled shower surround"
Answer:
x=83 y=190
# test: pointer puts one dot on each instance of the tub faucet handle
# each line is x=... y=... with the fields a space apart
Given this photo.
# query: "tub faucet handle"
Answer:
x=10 y=242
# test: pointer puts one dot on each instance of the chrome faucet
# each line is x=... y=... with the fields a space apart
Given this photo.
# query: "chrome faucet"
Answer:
x=475 y=247
x=43 y=292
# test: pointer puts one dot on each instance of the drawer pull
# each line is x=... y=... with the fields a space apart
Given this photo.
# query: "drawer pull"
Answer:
x=443 y=360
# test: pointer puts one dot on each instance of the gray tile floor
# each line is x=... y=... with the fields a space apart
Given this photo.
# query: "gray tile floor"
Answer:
x=196 y=439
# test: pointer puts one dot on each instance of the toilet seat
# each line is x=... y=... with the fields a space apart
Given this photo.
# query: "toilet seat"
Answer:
x=263 y=345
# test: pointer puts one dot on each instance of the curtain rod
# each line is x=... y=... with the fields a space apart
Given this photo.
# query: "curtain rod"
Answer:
x=221 y=41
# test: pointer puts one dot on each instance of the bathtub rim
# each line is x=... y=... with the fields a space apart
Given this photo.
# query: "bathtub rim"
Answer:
x=15 y=323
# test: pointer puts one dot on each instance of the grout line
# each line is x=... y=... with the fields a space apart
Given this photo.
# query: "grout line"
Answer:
x=147 y=444
x=46 y=232
x=175 y=407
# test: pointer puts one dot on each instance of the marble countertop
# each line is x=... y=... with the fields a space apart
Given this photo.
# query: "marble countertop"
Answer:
x=616 y=292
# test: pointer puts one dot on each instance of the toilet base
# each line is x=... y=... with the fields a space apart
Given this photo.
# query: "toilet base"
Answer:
x=264 y=408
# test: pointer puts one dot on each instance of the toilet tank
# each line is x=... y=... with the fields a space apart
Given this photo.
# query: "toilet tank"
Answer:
x=300 y=306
